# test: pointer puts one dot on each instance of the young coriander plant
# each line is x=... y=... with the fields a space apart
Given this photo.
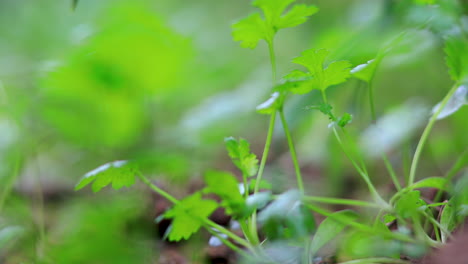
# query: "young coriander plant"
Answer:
x=287 y=216
x=249 y=31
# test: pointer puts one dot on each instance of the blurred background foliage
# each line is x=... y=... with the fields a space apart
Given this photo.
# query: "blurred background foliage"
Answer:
x=163 y=83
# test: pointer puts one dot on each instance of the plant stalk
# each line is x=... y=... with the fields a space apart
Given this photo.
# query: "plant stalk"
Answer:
x=266 y=150
x=300 y=183
x=425 y=135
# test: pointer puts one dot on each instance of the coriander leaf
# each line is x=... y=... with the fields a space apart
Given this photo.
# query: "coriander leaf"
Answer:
x=345 y=119
x=299 y=82
x=313 y=60
x=188 y=216
x=298 y=15
x=337 y=72
x=250 y=31
x=408 y=204
x=456 y=50
x=120 y=173
x=320 y=78
x=239 y=151
x=254 y=28
x=225 y=185
x=330 y=228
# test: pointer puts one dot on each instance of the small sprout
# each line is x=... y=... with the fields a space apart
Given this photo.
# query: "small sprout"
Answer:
x=239 y=151
x=326 y=109
x=345 y=119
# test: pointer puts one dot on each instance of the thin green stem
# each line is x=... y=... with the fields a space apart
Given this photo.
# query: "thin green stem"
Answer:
x=228 y=243
x=9 y=184
x=425 y=135
x=360 y=227
x=207 y=222
x=300 y=183
x=456 y=167
x=324 y=96
x=266 y=150
x=364 y=175
x=271 y=48
x=371 y=101
x=231 y=235
x=247 y=230
x=388 y=165
x=391 y=171
x=246 y=186
x=158 y=190
x=340 y=201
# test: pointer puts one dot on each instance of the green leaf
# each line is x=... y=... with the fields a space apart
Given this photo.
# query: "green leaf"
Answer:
x=119 y=173
x=239 y=151
x=330 y=228
x=456 y=50
x=188 y=216
x=299 y=82
x=431 y=182
x=345 y=119
x=365 y=71
x=337 y=72
x=313 y=60
x=298 y=15
x=225 y=185
x=252 y=29
x=408 y=204
x=320 y=77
